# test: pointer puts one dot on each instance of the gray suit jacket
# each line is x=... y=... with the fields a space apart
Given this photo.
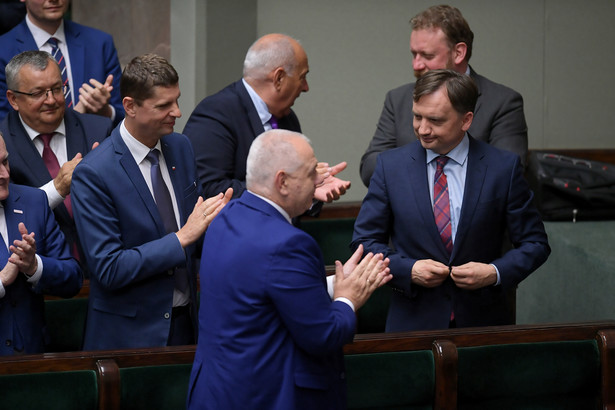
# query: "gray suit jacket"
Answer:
x=498 y=120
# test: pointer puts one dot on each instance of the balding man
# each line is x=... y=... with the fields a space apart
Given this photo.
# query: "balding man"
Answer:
x=270 y=337
x=223 y=126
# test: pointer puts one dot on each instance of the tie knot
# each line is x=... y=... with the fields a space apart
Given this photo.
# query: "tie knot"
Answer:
x=441 y=162
x=152 y=156
x=273 y=121
x=46 y=138
x=53 y=42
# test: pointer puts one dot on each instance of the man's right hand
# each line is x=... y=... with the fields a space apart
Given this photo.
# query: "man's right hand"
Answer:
x=62 y=181
x=357 y=279
x=8 y=274
x=429 y=273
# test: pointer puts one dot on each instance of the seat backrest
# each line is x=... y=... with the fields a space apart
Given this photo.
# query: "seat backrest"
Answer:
x=155 y=387
x=65 y=324
x=391 y=380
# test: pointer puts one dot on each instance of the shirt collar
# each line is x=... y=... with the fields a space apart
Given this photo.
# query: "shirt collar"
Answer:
x=276 y=206
x=32 y=133
x=459 y=154
x=41 y=36
x=138 y=150
x=259 y=104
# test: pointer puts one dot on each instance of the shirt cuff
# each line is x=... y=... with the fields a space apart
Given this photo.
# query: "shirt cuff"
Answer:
x=330 y=285
x=2 y=291
x=53 y=196
x=346 y=301
x=497 y=272
x=33 y=280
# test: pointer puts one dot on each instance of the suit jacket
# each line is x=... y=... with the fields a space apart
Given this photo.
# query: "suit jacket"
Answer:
x=28 y=168
x=496 y=201
x=221 y=129
x=22 y=309
x=126 y=246
x=270 y=336
x=92 y=55
x=498 y=120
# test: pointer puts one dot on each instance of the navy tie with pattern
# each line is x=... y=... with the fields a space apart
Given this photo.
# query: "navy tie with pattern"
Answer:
x=59 y=57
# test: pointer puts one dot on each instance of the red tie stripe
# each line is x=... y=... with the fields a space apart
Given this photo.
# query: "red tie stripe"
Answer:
x=441 y=205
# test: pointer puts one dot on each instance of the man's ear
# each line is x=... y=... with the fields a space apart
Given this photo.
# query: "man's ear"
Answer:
x=278 y=77
x=129 y=104
x=12 y=98
x=280 y=182
x=466 y=120
x=459 y=53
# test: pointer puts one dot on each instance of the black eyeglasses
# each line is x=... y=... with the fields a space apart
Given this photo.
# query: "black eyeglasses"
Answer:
x=42 y=94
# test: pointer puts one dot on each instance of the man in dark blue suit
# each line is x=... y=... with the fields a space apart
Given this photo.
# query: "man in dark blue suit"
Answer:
x=447 y=225
x=93 y=69
x=139 y=214
x=33 y=115
x=35 y=260
x=270 y=337
x=223 y=126
x=441 y=38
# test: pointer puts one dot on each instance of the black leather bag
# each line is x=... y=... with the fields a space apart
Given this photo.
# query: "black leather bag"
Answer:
x=571 y=189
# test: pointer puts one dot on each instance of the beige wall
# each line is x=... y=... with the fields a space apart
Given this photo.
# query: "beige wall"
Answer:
x=557 y=53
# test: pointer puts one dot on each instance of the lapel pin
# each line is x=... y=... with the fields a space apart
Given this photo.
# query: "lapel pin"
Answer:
x=17 y=211
x=173 y=168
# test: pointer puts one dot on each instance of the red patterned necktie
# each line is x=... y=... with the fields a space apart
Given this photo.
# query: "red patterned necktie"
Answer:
x=441 y=204
x=59 y=57
x=53 y=166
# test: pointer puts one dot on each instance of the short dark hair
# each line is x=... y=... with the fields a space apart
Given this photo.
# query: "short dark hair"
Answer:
x=144 y=73
x=448 y=19
x=37 y=59
x=461 y=88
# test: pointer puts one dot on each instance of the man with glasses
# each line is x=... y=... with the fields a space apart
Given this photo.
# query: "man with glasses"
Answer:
x=47 y=141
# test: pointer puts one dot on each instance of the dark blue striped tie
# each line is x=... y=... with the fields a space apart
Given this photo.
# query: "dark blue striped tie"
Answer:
x=59 y=57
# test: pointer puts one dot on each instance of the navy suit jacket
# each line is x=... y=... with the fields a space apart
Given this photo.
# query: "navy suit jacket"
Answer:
x=22 y=309
x=269 y=335
x=92 y=55
x=28 y=168
x=497 y=201
x=127 y=248
x=498 y=120
x=221 y=129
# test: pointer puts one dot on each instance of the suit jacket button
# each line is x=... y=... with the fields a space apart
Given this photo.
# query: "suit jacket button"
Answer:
x=167 y=315
x=8 y=342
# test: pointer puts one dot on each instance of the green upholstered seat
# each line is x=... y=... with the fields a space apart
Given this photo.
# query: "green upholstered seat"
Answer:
x=548 y=375
x=65 y=324
x=76 y=390
x=400 y=380
x=155 y=387
x=333 y=237
x=372 y=317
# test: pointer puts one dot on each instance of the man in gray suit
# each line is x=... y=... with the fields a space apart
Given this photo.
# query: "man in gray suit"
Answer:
x=441 y=38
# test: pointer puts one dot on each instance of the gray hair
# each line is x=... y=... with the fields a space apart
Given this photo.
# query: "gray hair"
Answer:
x=268 y=53
x=271 y=152
x=39 y=60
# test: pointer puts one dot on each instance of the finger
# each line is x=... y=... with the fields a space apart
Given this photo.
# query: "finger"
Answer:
x=109 y=81
x=22 y=228
x=338 y=168
x=95 y=83
x=356 y=256
x=96 y=144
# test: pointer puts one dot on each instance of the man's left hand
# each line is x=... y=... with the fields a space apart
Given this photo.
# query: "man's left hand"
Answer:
x=474 y=275
x=330 y=188
x=24 y=251
x=94 y=97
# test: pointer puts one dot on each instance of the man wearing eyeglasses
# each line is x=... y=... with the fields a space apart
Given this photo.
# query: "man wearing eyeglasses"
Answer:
x=47 y=141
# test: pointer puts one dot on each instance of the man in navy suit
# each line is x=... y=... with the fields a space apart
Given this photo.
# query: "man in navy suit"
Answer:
x=139 y=214
x=450 y=272
x=35 y=260
x=270 y=337
x=441 y=38
x=91 y=59
x=223 y=126
x=38 y=108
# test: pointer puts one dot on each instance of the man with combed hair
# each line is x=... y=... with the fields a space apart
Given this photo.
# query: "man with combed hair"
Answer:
x=441 y=38
x=270 y=337
x=93 y=69
x=140 y=215
x=46 y=140
x=223 y=126
x=445 y=203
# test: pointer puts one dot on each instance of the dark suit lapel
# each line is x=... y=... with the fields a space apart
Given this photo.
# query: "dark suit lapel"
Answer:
x=76 y=51
x=173 y=162
x=248 y=105
x=476 y=79
x=417 y=172
x=13 y=214
x=24 y=147
x=475 y=178
x=23 y=37
x=133 y=173
x=75 y=140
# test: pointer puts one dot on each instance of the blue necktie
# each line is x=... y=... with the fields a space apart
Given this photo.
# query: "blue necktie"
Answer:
x=165 y=208
x=273 y=121
x=59 y=57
